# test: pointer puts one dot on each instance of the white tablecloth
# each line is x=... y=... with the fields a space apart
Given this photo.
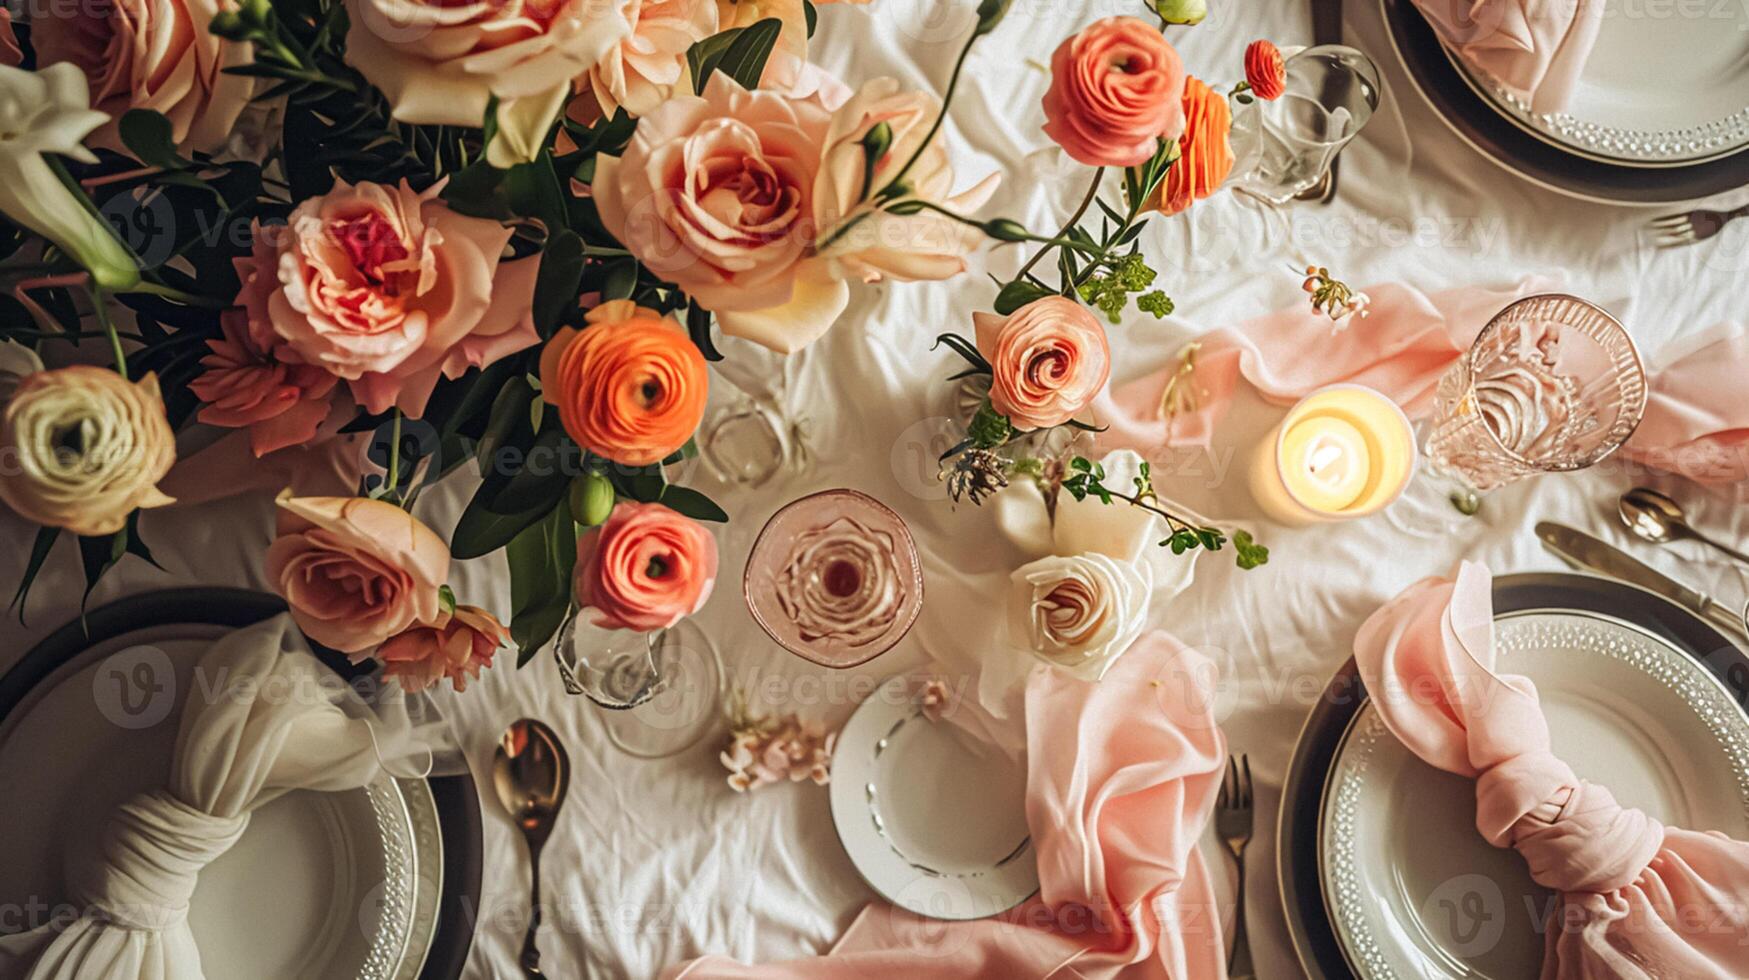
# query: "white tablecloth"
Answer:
x=659 y=861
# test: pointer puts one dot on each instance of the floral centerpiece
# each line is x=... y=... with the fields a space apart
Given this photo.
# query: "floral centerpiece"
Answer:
x=391 y=239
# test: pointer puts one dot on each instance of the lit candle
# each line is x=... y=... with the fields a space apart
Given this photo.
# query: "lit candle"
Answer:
x=1344 y=451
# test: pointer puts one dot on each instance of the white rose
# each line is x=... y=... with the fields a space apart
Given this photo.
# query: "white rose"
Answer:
x=1078 y=613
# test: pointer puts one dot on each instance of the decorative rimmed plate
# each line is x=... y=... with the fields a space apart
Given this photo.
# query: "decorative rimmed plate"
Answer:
x=933 y=818
x=1299 y=827
x=1657 y=91
x=1411 y=886
x=1475 y=119
x=375 y=883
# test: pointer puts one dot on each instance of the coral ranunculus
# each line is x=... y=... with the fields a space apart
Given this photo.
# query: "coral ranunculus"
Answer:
x=243 y=386
x=715 y=193
x=1049 y=360
x=1265 y=71
x=83 y=447
x=1116 y=91
x=457 y=646
x=646 y=568
x=1205 y=154
x=388 y=289
x=152 y=54
x=355 y=571
x=631 y=386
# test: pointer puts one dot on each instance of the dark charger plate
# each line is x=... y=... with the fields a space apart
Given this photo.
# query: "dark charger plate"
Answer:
x=458 y=804
x=1475 y=119
x=1302 y=794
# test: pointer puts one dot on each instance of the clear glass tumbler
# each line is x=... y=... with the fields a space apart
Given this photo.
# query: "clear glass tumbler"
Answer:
x=1285 y=146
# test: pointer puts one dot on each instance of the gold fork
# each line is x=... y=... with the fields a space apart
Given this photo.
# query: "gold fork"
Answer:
x=1674 y=230
x=1233 y=824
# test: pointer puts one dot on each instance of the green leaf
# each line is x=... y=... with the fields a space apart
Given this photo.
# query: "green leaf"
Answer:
x=543 y=478
x=812 y=15
x=98 y=554
x=1019 y=293
x=556 y=286
x=964 y=348
x=745 y=58
x=702 y=58
x=622 y=280
x=541 y=559
x=482 y=530
x=693 y=504
x=698 y=326
x=39 y=552
x=149 y=137
x=1249 y=553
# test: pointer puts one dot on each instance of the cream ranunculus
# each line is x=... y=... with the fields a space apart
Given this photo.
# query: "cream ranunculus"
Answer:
x=1078 y=613
x=870 y=244
x=442 y=63
x=153 y=54
x=43 y=112
x=82 y=447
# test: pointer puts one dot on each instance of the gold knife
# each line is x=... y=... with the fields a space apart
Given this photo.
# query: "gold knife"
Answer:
x=1581 y=550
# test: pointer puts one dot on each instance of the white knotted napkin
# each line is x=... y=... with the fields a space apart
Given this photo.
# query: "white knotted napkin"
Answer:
x=265 y=719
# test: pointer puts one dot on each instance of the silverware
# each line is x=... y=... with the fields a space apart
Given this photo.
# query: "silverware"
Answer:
x=531 y=772
x=1653 y=517
x=1674 y=230
x=1584 y=551
x=1233 y=824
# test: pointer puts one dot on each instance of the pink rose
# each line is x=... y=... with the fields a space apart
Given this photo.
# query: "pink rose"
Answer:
x=152 y=54
x=716 y=194
x=243 y=386
x=645 y=568
x=457 y=646
x=355 y=571
x=443 y=63
x=387 y=289
x=1049 y=360
x=871 y=244
x=1117 y=88
x=650 y=65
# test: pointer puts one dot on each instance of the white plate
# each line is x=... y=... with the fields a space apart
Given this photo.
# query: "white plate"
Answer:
x=933 y=819
x=1663 y=87
x=324 y=885
x=1410 y=885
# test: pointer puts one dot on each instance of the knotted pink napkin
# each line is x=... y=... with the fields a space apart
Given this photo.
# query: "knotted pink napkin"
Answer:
x=1696 y=424
x=1536 y=48
x=1637 y=899
x=1121 y=777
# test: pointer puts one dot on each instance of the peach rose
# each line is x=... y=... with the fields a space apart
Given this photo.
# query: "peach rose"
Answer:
x=1205 y=154
x=355 y=571
x=630 y=387
x=1049 y=360
x=649 y=66
x=457 y=646
x=870 y=244
x=716 y=194
x=1116 y=90
x=645 y=568
x=244 y=387
x=387 y=289
x=82 y=447
x=442 y=62
x=1265 y=71
x=153 y=54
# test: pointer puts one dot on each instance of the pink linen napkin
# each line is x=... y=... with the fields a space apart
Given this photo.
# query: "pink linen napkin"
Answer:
x=1121 y=777
x=1402 y=347
x=1697 y=419
x=1536 y=48
x=1637 y=899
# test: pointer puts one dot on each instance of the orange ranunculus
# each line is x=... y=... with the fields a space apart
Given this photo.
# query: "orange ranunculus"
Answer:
x=1115 y=93
x=630 y=387
x=1265 y=71
x=645 y=568
x=1205 y=156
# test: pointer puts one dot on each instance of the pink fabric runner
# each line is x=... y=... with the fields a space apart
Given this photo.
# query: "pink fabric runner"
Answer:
x=1637 y=899
x=1696 y=424
x=1537 y=48
x=1121 y=777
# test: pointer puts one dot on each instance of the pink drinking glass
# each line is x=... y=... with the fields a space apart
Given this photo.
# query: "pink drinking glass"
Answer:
x=834 y=578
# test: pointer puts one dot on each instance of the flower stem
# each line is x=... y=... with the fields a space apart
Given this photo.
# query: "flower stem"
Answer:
x=940 y=117
x=100 y=307
x=1074 y=219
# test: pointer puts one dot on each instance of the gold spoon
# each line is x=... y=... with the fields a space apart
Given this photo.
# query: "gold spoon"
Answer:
x=1653 y=517
x=531 y=772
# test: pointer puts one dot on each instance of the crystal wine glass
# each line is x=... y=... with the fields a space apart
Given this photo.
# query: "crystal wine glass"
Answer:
x=834 y=578
x=1286 y=145
x=663 y=689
